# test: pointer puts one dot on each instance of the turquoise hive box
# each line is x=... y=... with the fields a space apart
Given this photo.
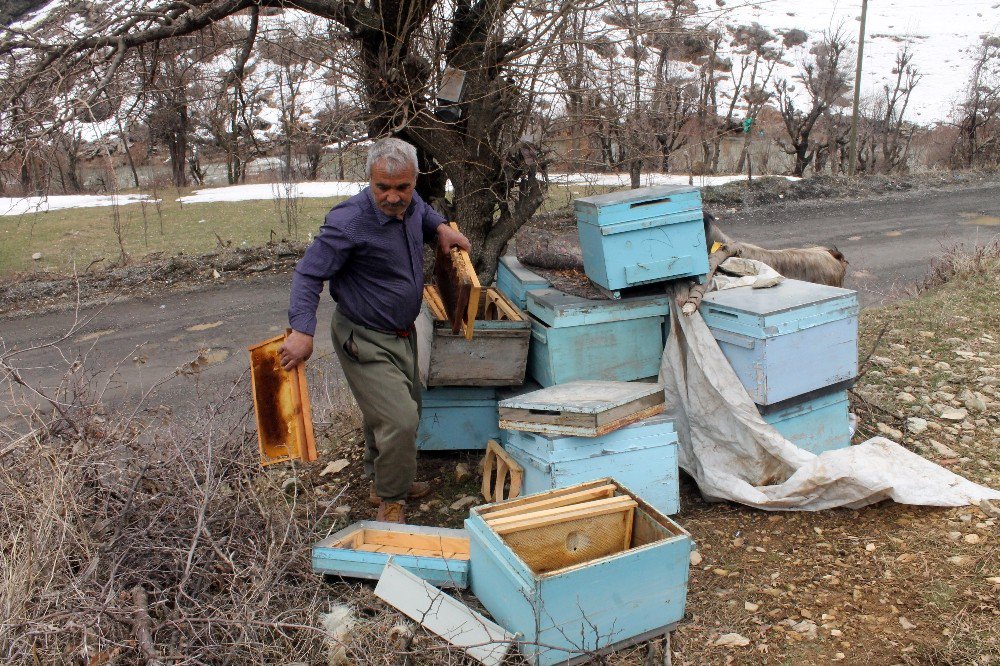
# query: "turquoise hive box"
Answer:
x=566 y=609
x=817 y=424
x=787 y=340
x=642 y=456
x=640 y=236
x=578 y=338
x=457 y=417
x=515 y=281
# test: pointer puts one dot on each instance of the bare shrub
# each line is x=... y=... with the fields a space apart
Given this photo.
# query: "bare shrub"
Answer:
x=960 y=261
x=103 y=513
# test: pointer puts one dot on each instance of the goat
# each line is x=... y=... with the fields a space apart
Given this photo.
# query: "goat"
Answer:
x=822 y=265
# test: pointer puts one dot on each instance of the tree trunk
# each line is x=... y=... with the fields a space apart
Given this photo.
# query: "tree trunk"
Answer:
x=635 y=172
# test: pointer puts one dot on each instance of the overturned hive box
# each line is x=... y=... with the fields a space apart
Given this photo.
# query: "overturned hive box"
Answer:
x=281 y=406
x=579 y=571
x=495 y=355
x=438 y=555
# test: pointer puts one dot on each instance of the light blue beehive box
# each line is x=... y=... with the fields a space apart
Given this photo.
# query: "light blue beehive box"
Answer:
x=340 y=555
x=457 y=417
x=578 y=338
x=640 y=236
x=570 y=615
x=820 y=423
x=787 y=340
x=515 y=281
x=642 y=456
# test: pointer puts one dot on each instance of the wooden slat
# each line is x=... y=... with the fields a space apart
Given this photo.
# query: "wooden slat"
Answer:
x=503 y=305
x=533 y=499
x=563 y=514
x=421 y=541
x=619 y=500
x=553 y=502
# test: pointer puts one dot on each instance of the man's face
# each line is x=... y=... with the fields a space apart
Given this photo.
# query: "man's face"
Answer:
x=392 y=191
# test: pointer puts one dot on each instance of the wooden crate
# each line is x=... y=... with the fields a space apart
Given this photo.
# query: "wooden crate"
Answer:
x=578 y=338
x=457 y=418
x=438 y=555
x=582 y=408
x=497 y=354
x=579 y=571
x=281 y=406
x=642 y=456
x=819 y=423
x=515 y=281
x=787 y=340
x=641 y=236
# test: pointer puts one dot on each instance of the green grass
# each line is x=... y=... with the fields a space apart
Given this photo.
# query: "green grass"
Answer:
x=83 y=235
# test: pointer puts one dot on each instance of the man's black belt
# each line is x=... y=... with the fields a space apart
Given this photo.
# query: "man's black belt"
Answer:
x=398 y=334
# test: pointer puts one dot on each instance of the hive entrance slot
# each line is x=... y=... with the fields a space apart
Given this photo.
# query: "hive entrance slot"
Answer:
x=650 y=203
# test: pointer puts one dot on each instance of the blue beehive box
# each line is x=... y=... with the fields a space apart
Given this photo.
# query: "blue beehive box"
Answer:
x=577 y=338
x=459 y=417
x=579 y=597
x=640 y=236
x=817 y=424
x=642 y=456
x=515 y=281
x=436 y=554
x=787 y=340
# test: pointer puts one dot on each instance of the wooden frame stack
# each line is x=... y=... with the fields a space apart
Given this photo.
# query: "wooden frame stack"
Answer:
x=281 y=406
x=502 y=476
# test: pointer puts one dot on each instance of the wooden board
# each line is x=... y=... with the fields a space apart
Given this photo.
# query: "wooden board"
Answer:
x=546 y=517
x=543 y=502
x=281 y=406
x=459 y=287
x=443 y=615
x=502 y=476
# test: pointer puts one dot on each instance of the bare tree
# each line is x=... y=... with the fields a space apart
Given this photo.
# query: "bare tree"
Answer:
x=826 y=82
x=752 y=76
x=978 y=142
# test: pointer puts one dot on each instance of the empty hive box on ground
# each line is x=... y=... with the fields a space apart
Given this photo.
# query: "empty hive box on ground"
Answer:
x=457 y=417
x=642 y=456
x=515 y=281
x=438 y=555
x=817 y=422
x=582 y=408
x=634 y=237
x=495 y=355
x=579 y=338
x=786 y=340
x=578 y=571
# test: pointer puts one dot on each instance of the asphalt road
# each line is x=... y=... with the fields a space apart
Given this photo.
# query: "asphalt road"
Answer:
x=135 y=346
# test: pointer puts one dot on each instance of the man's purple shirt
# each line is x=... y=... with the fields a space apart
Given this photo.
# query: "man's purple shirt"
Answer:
x=374 y=263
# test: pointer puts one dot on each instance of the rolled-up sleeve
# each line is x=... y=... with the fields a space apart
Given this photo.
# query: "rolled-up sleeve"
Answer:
x=324 y=257
x=432 y=220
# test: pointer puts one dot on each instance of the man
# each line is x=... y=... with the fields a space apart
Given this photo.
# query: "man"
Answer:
x=370 y=248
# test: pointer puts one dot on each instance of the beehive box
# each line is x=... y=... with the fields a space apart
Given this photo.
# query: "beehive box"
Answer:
x=436 y=554
x=515 y=281
x=579 y=571
x=634 y=237
x=454 y=418
x=817 y=424
x=787 y=340
x=642 y=456
x=496 y=355
x=578 y=338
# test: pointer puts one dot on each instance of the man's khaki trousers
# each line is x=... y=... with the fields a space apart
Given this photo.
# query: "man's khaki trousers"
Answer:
x=381 y=369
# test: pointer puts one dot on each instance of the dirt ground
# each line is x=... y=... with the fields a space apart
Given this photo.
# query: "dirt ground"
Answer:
x=886 y=584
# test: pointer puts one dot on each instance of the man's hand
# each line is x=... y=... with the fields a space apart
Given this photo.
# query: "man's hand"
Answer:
x=449 y=238
x=297 y=348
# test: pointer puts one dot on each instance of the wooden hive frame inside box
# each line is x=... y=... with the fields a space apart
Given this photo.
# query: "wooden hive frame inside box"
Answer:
x=281 y=406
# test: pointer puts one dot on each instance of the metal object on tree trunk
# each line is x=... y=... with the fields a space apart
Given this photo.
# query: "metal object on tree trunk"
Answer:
x=449 y=95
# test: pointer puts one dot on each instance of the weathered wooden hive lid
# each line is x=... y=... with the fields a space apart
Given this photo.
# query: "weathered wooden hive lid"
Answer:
x=636 y=196
x=583 y=397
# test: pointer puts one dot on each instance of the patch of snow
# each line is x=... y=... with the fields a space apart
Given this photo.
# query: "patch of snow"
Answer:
x=647 y=179
x=37 y=17
x=27 y=205
x=264 y=191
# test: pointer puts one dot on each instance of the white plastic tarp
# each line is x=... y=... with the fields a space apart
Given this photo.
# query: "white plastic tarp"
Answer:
x=733 y=454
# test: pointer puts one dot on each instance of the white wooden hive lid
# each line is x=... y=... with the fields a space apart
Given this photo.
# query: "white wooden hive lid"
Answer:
x=583 y=397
